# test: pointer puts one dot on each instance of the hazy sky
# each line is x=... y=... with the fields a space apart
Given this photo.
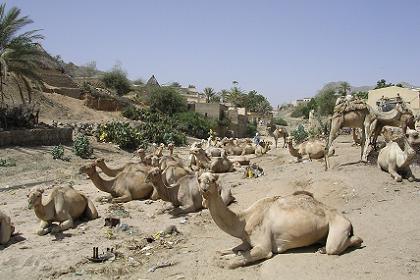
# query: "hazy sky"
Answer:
x=283 y=49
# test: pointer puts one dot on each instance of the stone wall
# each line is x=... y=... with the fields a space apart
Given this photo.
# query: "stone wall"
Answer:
x=103 y=103
x=36 y=137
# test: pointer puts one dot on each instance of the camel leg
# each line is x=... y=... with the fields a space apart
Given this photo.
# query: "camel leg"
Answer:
x=6 y=231
x=340 y=236
x=44 y=228
x=63 y=225
x=392 y=169
x=155 y=195
x=122 y=199
x=185 y=210
x=255 y=254
x=90 y=211
x=244 y=246
x=331 y=138
x=409 y=175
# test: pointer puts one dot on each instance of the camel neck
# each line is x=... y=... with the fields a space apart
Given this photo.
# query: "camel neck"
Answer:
x=101 y=184
x=112 y=172
x=40 y=211
x=409 y=155
x=165 y=193
x=225 y=219
x=292 y=150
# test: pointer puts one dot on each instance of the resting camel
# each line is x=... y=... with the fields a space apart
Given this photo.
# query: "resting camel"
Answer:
x=396 y=158
x=276 y=224
x=315 y=149
x=353 y=114
x=113 y=172
x=6 y=228
x=221 y=164
x=184 y=194
x=62 y=205
x=262 y=148
x=126 y=186
x=400 y=116
x=198 y=159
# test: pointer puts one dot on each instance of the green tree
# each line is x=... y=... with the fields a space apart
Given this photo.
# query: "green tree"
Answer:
x=382 y=84
x=344 y=88
x=325 y=101
x=255 y=102
x=235 y=96
x=138 y=81
x=117 y=80
x=175 y=84
x=167 y=100
x=361 y=94
x=20 y=56
x=209 y=93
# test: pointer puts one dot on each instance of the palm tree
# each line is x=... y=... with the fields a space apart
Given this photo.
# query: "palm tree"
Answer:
x=209 y=93
x=20 y=56
x=344 y=88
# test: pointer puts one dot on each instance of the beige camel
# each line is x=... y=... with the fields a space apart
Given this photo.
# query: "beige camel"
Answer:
x=278 y=133
x=276 y=224
x=396 y=157
x=400 y=116
x=126 y=186
x=315 y=149
x=174 y=171
x=6 y=228
x=353 y=114
x=248 y=149
x=63 y=205
x=221 y=164
x=158 y=152
x=242 y=160
x=113 y=172
x=184 y=194
x=198 y=159
x=262 y=148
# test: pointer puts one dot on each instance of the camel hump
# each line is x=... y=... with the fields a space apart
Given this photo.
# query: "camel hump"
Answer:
x=303 y=192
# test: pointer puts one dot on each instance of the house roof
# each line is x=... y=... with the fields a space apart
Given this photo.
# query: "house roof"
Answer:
x=152 y=81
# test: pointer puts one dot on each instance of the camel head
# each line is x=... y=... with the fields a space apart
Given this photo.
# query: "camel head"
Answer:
x=34 y=196
x=89 y=169
x=154 y=161
x=412 y=137
x=207 y=182
x=141 y=153
x=153 y=175
x=100 y=162
x=289 y=140
x=171 y=146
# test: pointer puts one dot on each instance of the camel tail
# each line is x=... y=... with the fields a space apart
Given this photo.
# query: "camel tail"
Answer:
x=303 y=192
x=90 y=212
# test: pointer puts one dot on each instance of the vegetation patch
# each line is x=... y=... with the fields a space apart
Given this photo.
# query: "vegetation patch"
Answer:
x=300 y=134
x=7 y=162
x=82 y=147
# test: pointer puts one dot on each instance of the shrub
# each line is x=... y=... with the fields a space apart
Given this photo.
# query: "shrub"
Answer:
x=194 y=124
x=82 y=147
x=117 y=80
x=167 y=100
x=251 y=129
x=122 y=134
x=299 y=134
x=57 y=152
x=7 y=162
x=280 y=121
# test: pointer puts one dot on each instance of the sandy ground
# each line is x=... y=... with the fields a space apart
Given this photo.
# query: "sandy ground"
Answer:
x=384 y=213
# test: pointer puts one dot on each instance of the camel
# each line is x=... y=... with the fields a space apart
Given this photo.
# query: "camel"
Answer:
x=63 y=205
x=353 y=114
x=276 y=224
x=184 y=194
x=158 y=152
x=242 y=160
x=6 y=228
x=396 y=160
x=126 y=186
x=400 y=116
x=214 y=152
x=357 y=141
x=315 y=149
x=249 y=149
x=221 y=164
x=278 y=133
x=174 y=171
x=198 y=159
x=262 y=148
x=113 y=172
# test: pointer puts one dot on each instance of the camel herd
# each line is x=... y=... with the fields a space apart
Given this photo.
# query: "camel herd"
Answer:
x=270 y=225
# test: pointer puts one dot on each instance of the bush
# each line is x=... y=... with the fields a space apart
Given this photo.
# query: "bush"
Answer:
x=82 y=147
x=194 y=124
x=167 y=100
x=251 y=129
x=57 y=152
x=280 y=121
x=117 y=80
x=122 y=134
x=7 y=162
x=299 y=134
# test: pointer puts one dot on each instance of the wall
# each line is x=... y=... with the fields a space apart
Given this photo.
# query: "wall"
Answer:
x=211 y=110
x=411 y=97
x=36 y=137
